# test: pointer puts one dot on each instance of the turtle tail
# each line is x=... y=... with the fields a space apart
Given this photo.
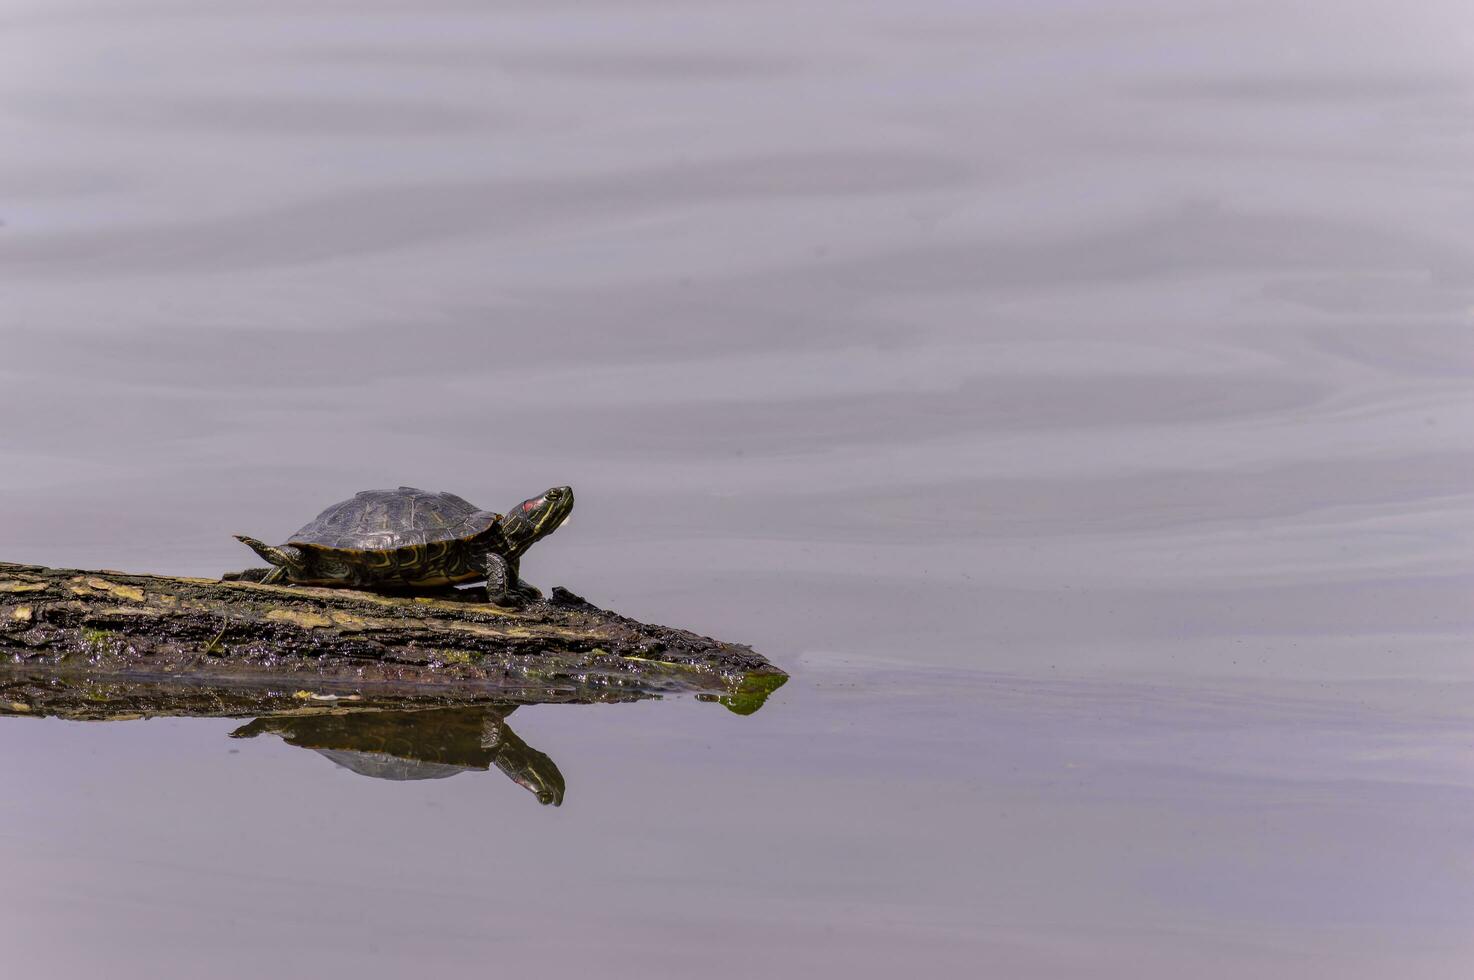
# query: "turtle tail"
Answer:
x=283 y=559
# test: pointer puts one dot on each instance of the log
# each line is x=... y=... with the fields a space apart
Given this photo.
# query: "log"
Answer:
x=58 y=624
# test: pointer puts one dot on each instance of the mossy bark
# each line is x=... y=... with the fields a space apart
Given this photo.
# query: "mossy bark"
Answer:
x=149 y=627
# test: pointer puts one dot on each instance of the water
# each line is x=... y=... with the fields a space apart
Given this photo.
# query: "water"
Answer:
x=1073 y=397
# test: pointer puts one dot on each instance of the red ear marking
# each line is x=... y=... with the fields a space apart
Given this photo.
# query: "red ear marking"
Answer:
x=528 y=506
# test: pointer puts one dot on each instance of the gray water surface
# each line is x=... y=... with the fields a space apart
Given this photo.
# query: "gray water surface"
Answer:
x=1074 y=397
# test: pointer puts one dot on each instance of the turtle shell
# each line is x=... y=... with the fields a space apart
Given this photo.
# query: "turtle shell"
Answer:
x=383 y=520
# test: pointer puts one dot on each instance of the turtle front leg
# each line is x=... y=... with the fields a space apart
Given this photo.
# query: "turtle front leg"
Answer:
x=526 y=589
x=501 y=582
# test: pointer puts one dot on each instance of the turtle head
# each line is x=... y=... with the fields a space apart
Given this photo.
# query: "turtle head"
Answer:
x=535 y=518
x=534 y=771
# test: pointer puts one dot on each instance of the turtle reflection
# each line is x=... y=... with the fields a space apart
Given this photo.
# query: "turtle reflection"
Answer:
x=428 y=744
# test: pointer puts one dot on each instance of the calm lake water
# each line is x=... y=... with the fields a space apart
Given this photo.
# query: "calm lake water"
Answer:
x=1074 y=397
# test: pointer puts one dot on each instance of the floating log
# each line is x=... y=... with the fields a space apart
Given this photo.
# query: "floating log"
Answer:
x=60 y=622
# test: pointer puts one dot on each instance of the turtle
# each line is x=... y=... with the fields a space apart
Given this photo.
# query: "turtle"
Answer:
x=413 y=539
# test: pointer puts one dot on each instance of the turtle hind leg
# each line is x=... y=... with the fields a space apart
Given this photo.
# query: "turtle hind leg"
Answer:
x=249 y=575
x=285 y=561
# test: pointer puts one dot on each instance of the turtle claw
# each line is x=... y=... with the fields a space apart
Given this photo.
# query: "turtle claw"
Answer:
x=516 y=597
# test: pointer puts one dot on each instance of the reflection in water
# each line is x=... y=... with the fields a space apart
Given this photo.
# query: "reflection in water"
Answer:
x=387 y=732
x=427 y=744
x=748 y=694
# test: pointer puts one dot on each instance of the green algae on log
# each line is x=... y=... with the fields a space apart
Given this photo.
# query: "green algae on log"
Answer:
x=107 y=623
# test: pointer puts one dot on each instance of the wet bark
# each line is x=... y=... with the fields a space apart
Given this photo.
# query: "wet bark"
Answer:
x=66 y=622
